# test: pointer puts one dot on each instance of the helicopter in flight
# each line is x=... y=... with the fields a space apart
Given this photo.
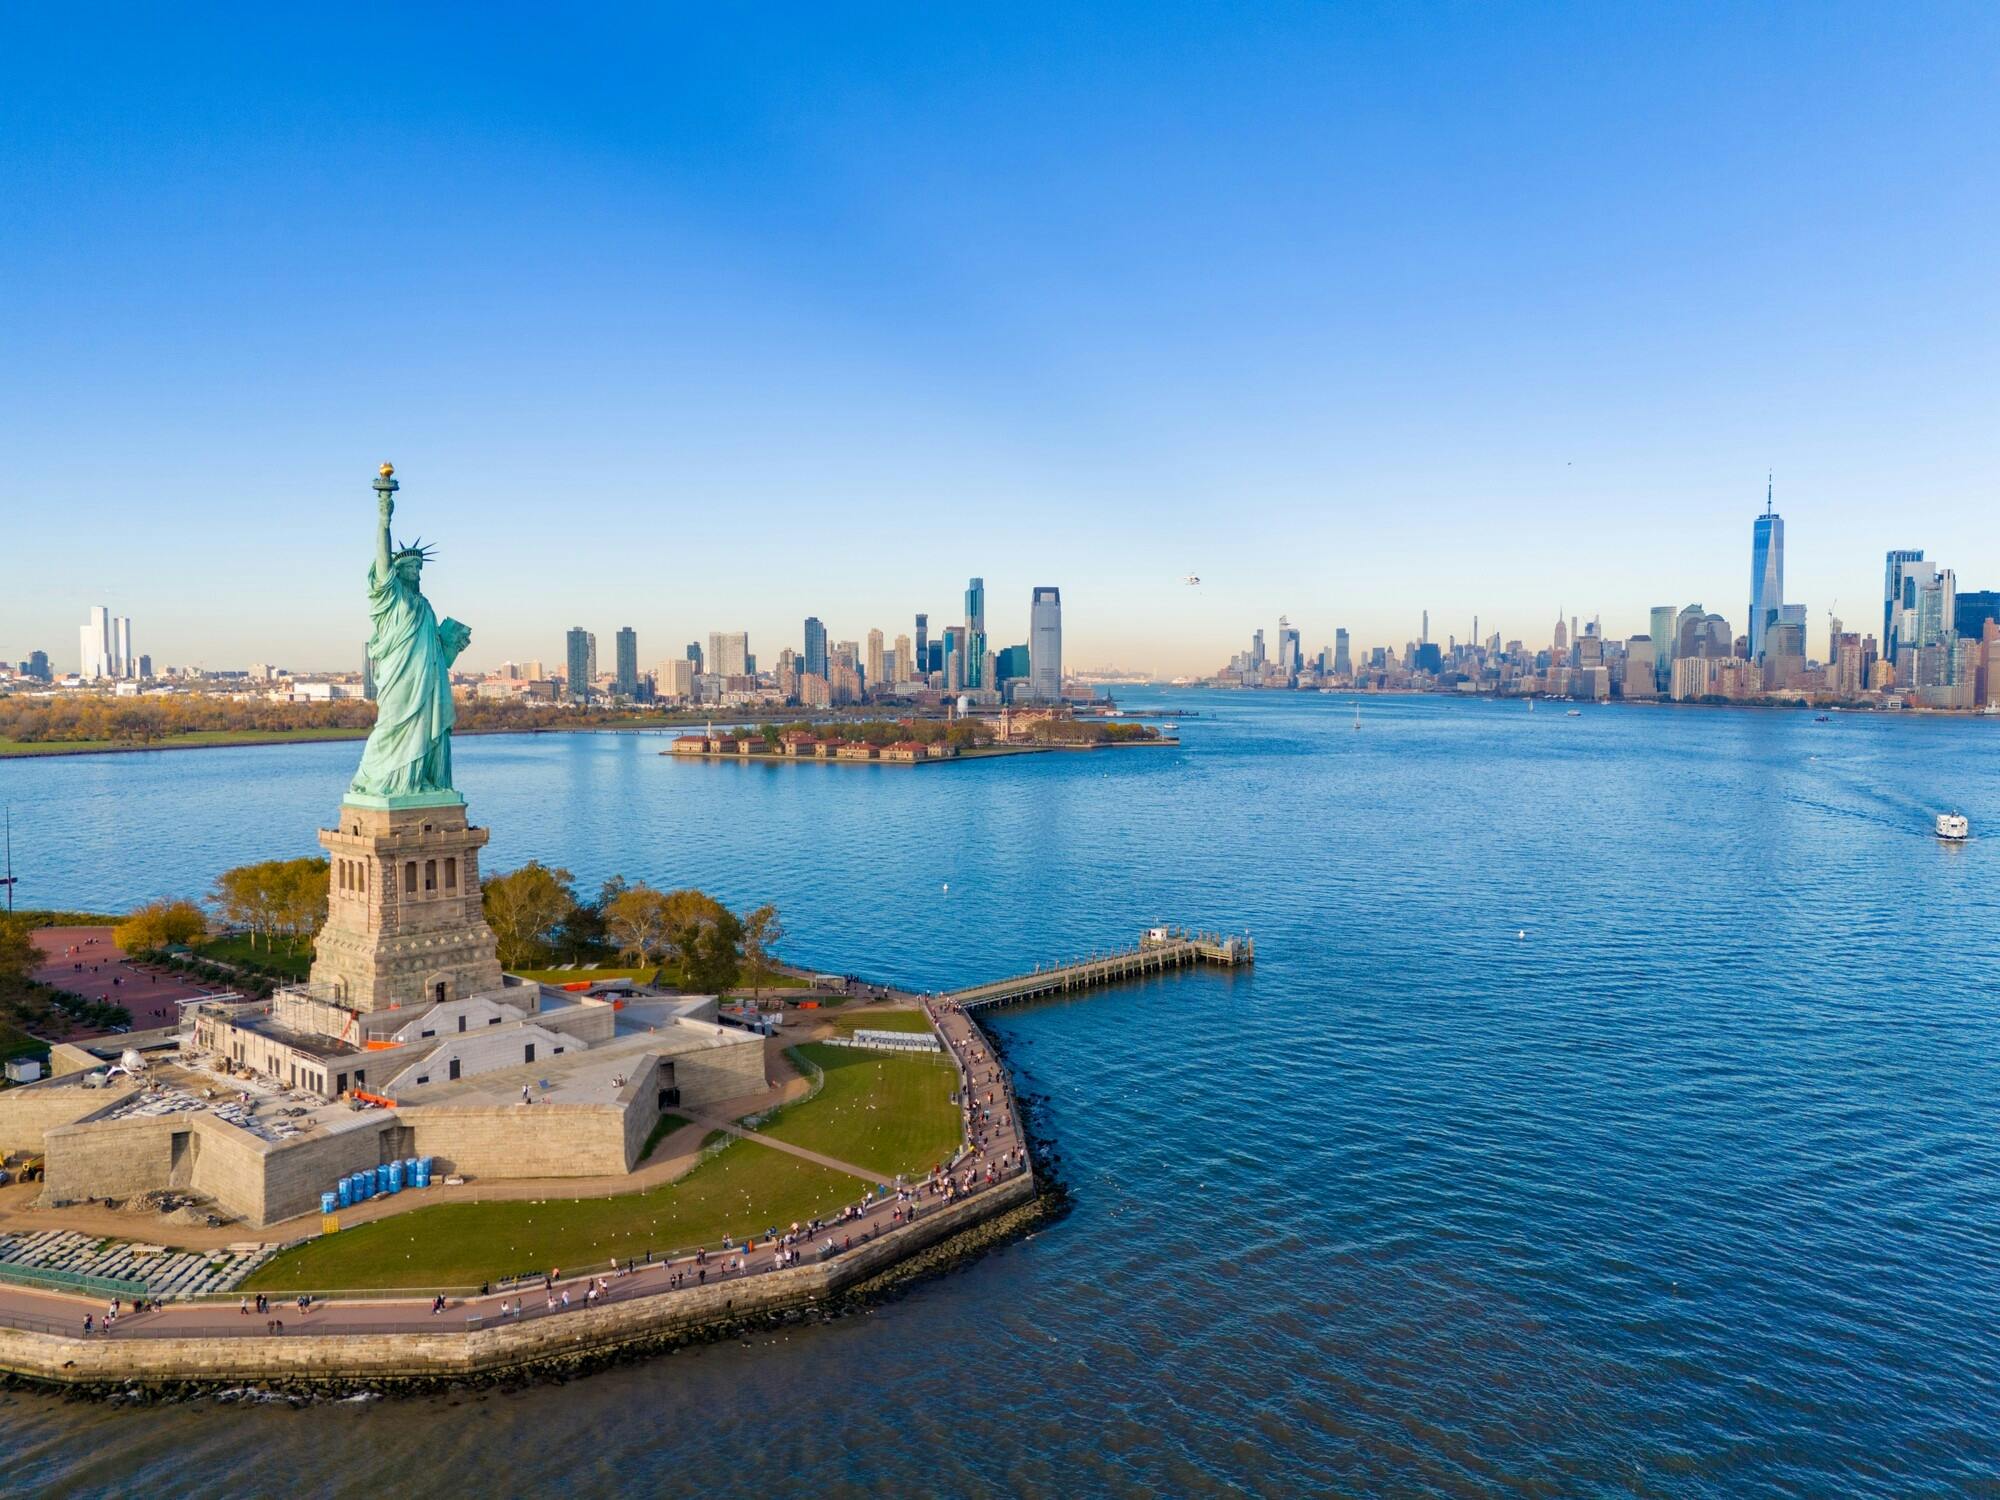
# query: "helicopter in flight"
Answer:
x=1192 y=580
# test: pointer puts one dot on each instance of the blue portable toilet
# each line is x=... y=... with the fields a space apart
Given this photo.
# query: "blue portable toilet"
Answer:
x=378 y=1179
x=395 y=1177
x=423 y=1172
x=344 y=1194
x=327 y=1202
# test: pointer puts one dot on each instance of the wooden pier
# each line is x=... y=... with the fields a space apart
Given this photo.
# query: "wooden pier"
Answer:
x=1161 y=948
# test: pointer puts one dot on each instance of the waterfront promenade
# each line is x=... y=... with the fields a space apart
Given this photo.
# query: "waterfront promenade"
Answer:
x=994 y=1153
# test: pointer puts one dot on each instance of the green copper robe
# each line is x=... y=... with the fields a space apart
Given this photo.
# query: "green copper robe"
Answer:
x=409 y=750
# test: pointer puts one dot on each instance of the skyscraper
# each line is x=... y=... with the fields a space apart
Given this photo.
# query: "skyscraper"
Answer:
x=874 y=663
x=627 y=685
x=1343 y=659
x=577 y=652
x=1662 y=632
x=815 y=652
x=1767 y=573
x=367 y=674
x=694 y=655
x=903 y=666
x=1903 y=564
x=1289 y=660
x=94 y=644
x=954 y=658
x=975 y=631
x=1045 y=670
x=923 y=643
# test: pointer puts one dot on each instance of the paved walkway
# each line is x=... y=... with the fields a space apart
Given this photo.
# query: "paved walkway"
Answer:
x=995 y=1152
x=85 y=961
x=788 y=1148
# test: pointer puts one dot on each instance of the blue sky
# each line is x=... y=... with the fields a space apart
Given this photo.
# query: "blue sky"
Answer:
x=698 y=318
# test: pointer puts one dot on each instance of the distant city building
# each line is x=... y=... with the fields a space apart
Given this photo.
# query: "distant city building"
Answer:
x=694 y=655
x=1343 y=658
x=1289 y=659
x=904 y=667
x=814 y=655
x=367 y=674
x=1662 y=636
x=1937 y=608
x=1011 y=664
x=627 y=683
x=674 y=678
x=873 y=665
x=1767 y=573
x=1640 y=678
x=37 y=667
x=97 y=645
x=924 y=643
x=580 y=648
x=1968 y=617
x=1904 y=571
x=729 y=653
x=975 y=631
x=1045 y=663
x=954 y=658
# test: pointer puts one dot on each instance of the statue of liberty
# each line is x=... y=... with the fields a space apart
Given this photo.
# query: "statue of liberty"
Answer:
x=408 y=758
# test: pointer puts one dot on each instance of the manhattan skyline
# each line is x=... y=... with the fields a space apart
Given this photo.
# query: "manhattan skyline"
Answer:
x=676 y=327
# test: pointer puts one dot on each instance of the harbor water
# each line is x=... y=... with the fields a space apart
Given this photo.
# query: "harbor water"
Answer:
x=1610 y=1110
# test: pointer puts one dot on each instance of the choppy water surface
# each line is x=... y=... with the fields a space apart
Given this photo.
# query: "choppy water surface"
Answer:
x=1690 y=1189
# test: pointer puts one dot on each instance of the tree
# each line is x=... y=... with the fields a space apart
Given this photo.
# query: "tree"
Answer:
x=160 y=924
x=18 y=954
x=274 y=896
x=762 y=932
x=687 y=913
x=713 y=962
x=636 y=920
x=525 y=908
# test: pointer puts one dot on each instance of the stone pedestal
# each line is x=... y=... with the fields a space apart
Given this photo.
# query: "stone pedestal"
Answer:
x=404 y=925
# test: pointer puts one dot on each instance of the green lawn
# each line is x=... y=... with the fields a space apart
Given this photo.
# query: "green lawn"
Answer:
x=744 y=1190
x=14 y=1042
x=292 y=960
x=195 y=737
x=889 y=1112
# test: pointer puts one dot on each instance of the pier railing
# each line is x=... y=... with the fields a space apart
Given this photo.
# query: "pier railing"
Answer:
x=1161 y=948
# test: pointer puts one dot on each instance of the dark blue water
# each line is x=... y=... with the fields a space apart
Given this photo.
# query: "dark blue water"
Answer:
x=1690 y=1190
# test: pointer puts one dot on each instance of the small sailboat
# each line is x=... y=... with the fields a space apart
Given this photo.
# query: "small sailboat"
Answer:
x=1357 y=713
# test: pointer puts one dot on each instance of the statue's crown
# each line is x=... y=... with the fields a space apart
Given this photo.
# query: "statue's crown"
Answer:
x=418 y=550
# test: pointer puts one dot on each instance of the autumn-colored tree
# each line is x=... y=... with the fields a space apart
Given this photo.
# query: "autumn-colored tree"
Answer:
x=160 y=924
x=275 y=896
x=525 y=907
x=636 y=921
x=18 y=955
x=762 y=932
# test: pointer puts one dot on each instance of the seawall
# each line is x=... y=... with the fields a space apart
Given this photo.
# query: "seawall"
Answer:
x=566 y=1343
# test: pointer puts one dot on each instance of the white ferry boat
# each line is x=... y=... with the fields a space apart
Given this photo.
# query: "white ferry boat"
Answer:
x=1953 y=828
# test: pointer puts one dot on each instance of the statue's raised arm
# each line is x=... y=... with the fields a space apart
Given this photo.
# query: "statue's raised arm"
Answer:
x=385 y=507
x=408 y=759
